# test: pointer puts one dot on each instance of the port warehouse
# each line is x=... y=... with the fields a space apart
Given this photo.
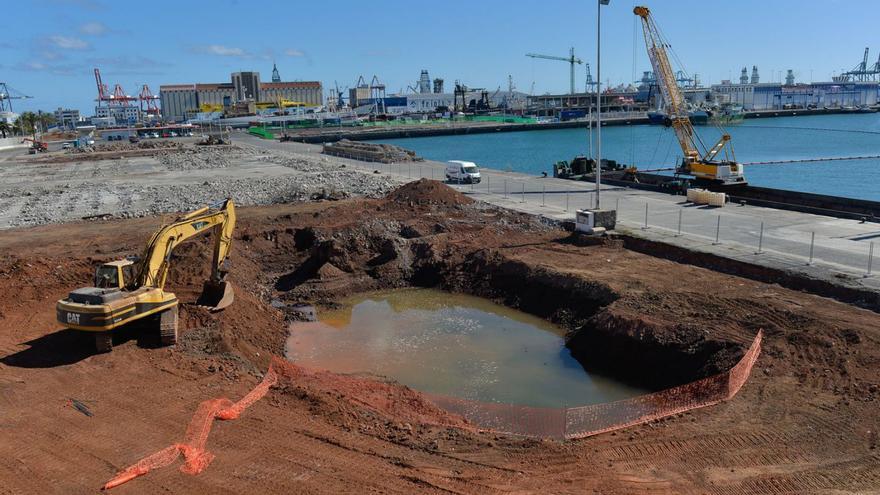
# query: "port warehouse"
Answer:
x=752 y=97
x=182 y=101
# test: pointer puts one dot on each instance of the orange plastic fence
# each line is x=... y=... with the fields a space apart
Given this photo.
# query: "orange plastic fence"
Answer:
x=196 y=458
x=560 y=423
x=579 y=422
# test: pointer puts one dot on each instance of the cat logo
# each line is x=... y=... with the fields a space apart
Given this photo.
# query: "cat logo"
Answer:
x=73 y=318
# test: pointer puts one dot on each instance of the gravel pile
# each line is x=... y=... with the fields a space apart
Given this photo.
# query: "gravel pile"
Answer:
x=125 y=146
x=384 y=153
x=313 y=177
x=198 y=158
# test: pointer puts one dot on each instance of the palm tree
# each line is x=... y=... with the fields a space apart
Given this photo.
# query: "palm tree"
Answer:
x=4 y=128
x=16 y=128
x=29 y=123
x=45 y=120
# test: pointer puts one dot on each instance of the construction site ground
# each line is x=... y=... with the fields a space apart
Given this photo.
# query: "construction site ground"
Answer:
x=805 y=422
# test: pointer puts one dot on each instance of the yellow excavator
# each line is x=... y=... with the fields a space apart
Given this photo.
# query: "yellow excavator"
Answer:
x=133 y=289
x=704 y=166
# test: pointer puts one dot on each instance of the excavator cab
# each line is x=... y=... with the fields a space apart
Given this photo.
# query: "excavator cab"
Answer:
x=115 y=274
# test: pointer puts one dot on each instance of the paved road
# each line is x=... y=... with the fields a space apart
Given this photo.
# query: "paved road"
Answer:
x=840 y=247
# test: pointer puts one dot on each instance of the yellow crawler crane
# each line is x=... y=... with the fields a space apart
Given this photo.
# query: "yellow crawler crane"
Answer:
x=703 y=166
x=133 y=289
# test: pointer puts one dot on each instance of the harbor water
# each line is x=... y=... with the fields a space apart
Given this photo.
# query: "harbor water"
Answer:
x=454 y=345
x=651 y=147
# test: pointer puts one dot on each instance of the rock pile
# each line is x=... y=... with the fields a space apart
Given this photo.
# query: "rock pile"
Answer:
x=369 y=152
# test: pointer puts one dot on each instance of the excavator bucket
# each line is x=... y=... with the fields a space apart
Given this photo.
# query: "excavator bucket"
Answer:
x=216 y=296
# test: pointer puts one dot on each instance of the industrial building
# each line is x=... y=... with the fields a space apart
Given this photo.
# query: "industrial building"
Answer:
x=777 y=96
x=117 y=115
x=427 y=96
x=67 y=117
x=578 y=105
x=181 y=101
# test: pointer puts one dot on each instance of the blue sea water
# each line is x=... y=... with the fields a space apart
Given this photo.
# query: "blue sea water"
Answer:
x=649 y=147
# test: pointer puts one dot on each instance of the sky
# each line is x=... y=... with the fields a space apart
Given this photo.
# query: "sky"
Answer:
x=49 y=48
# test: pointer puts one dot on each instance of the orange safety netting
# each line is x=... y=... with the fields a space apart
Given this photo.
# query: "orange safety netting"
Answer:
x=578 y=422
x=196 y=458
x=560 y=423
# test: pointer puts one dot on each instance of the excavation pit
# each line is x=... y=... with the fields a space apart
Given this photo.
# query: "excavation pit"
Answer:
x=454 y=345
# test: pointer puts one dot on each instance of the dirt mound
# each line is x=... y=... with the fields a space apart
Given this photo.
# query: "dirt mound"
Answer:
x=328 y=271
x=339 y=391
x=428 y=192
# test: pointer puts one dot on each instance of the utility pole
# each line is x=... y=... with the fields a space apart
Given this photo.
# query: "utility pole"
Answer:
x=599 y=98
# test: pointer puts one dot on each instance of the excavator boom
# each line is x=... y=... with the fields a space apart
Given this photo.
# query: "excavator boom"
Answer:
x=220 y=218
x=126 y=291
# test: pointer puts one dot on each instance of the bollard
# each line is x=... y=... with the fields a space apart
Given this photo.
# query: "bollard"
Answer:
x=870 y=259
x=566 y=199
x=488 y=190
x=617 y=204
x=472 y=185
x=717 y=231
x=646 y=217
x=523 y=199
x=543 y=193
x=761 y=239
x=432 y=173
x=505 y=188
x=812 y=243
x=679 y=222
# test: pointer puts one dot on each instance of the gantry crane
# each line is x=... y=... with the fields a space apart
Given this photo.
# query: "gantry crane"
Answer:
x=702 y=166
x=149 y=103
x=6 y=97
x=571 y=59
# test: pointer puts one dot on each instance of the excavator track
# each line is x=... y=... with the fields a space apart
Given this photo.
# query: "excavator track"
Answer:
x=168 y=326
x=104 y=341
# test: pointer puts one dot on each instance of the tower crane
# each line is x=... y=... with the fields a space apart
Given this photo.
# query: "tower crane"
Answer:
x=571 y=59
x=698 y=160
x=6 y=97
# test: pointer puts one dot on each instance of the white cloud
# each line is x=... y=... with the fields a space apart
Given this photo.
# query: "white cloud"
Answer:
x=93 y=28
x=50 y=55
x=224 y=51
x=292 y=52
x=51 y=68
x=68 y=43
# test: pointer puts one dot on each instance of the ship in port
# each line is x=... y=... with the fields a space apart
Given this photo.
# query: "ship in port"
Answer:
x=726 y=114
x=697 y=117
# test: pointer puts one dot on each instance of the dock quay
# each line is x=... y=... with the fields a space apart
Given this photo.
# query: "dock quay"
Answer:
x=330 y=134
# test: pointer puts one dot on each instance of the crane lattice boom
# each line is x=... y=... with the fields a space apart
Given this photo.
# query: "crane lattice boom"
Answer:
x=676 y=107
x=698 y=160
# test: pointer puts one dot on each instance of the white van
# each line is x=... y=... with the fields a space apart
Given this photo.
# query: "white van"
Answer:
x=462 y=172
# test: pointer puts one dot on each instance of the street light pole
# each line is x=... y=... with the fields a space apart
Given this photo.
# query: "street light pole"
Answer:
x=599 y=5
